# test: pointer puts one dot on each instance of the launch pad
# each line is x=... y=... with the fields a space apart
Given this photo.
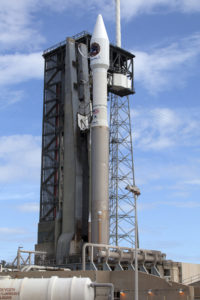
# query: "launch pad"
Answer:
x=64 y=229
x=77 y=222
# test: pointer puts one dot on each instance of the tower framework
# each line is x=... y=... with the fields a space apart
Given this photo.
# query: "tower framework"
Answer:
x=122 y=203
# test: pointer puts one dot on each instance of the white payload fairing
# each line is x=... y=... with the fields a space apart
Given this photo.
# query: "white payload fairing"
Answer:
x=99 y=62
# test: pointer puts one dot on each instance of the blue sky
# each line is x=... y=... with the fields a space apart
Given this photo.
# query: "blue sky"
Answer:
x=165 y=37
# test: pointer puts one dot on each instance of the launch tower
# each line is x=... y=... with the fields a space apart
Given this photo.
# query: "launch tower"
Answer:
x=66 y=183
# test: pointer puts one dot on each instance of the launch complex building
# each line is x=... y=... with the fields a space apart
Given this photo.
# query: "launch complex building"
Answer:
x=81 y=75
x=70 y=182
x=69 y=172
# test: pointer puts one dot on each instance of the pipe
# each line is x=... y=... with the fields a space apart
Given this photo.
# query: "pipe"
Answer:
x=118 y=23
x=105 y=285
x=100 y=225
x=89 y=228
x=90 y=188
x=136 y=250
x=120 y=255
x=32 y=267
x=32 y=252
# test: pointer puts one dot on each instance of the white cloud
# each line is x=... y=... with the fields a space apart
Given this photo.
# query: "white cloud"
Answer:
x=29 y=207
x=7 y=195
x=9 y=97
x=190 y=5
x=132 y=8
x=164 y=128
x=20 y=30
x=177 y=204
x=167 y=67
x=166 y=176
x=193 y=182
x=17 y=25
x=129 y=8
x=162 y=139
x=20 y=24
x=20 y=158
x=185 y=204
x=94 y=7
x=16 y=68
x=11 y=231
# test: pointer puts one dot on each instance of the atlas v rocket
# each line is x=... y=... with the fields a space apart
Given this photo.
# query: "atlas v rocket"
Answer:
x=99 y=62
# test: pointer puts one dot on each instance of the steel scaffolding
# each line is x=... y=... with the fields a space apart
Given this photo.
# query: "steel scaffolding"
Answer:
x=52 y=134
x=122 y=203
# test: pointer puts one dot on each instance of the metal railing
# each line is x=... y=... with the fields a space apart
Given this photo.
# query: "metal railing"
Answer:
x=24 y=261
x=75 y=37
x=110 y=286
x=54 y=47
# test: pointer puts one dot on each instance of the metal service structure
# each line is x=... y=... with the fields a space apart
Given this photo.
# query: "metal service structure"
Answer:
x=85 y=221
x=74 y=201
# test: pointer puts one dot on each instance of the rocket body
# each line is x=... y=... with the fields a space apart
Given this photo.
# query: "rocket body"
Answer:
x=99 y=62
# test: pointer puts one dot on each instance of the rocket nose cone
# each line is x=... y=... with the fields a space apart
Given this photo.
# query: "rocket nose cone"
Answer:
x=100 y=29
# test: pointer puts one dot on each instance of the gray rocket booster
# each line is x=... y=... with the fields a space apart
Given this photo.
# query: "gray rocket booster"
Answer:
x=99 y=62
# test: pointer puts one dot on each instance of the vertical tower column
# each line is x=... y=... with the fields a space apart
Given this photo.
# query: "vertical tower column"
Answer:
x=118 y=23
x=122 y=203
x=100 y=135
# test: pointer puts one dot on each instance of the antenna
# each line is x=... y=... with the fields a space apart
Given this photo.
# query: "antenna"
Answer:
x=118 y=23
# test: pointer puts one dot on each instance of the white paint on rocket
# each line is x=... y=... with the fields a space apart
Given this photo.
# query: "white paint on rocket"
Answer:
x=99 y=62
